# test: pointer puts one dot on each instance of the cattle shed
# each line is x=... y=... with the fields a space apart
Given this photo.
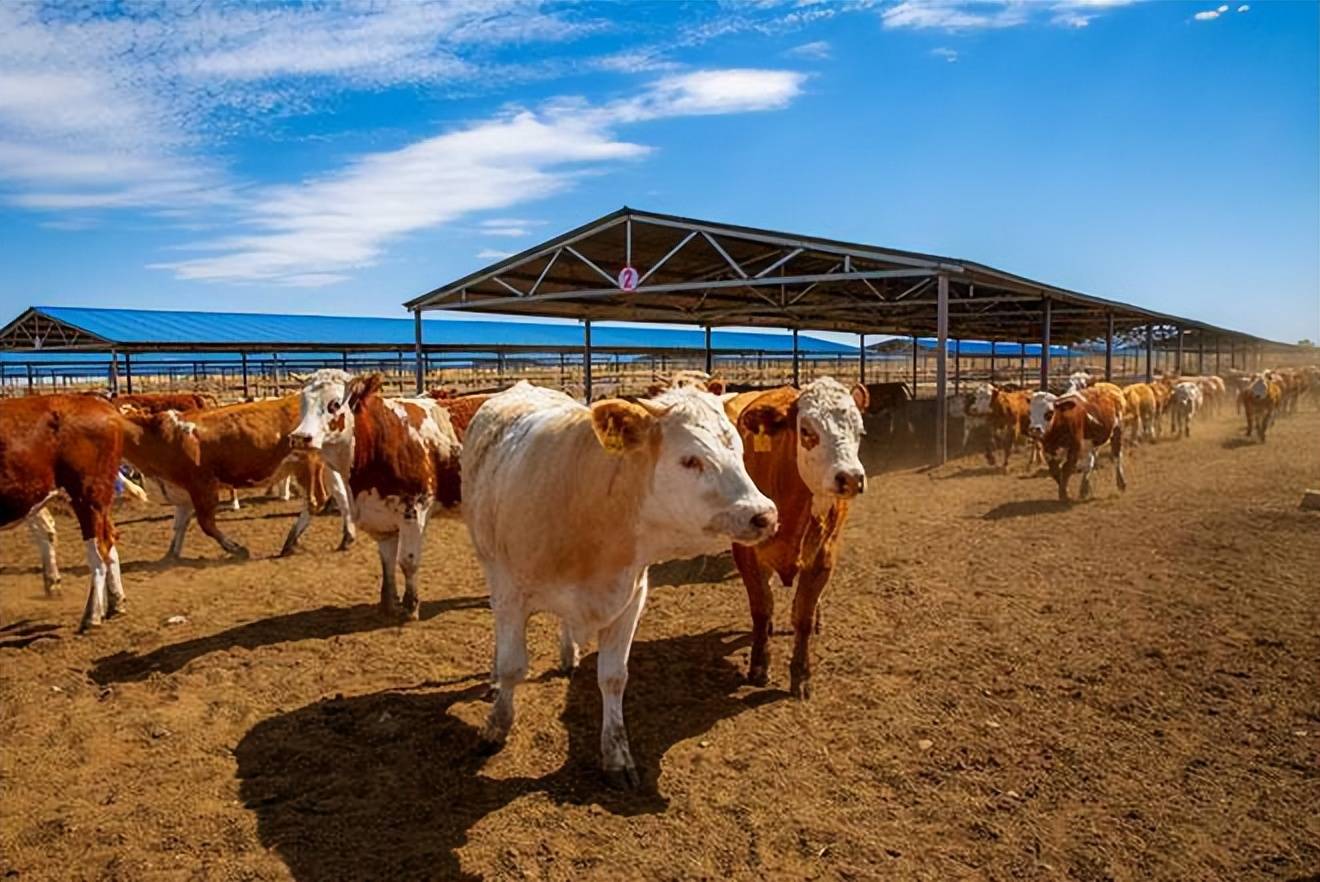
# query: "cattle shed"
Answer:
x=641 y=266
x=45 y=343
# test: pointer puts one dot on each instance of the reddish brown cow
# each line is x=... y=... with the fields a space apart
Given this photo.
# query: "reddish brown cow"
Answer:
x=1262 y=400
x=72 y=443
x=461 y=408
x=800 y=449
x=1082 y=422
x=195 y=453
x=156 y=402
x=1007 y=416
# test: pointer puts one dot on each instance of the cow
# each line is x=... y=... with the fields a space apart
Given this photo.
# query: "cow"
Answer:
x=567 y=506
x=69 y=443
x=157 y=402
x=1083 y=421
x=401 y=457
x=193 y=454
x=1260 y=400
x=1007 y=416
x=461 y=408
x=800 y=449
x=1139 y=409
x=1078 y=380
x=1184 y=403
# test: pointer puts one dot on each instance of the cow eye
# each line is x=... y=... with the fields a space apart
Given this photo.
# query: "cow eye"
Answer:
x=333 y=406
x=809 y=438
x=691 y=462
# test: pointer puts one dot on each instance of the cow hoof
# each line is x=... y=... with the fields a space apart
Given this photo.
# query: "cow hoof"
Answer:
x=88 y=624
x=117 y=609
x=238 y=552
x=758 y=676
x=53 y=588
x=389 y=610
x=345 y=544
x=412 y=611
x=288 y=550
x=801 y=688
x=623 y=779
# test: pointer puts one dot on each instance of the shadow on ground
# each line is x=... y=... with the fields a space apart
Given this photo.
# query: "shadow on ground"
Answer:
x=25 y=632
x=387 y=786
x=312 y=624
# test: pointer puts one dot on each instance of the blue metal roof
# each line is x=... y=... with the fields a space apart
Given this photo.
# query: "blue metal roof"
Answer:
x=147 y=327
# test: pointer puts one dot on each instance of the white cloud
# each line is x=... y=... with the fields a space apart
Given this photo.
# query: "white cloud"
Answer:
x=819 y=50
x=1243 y=8
x=949 y=55
x=320 y=230
x=969 y=15
x=1222 y=9
x=1207 y=15
x=493 y=254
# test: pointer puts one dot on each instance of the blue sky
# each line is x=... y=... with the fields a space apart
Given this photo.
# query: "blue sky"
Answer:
x=341 y=158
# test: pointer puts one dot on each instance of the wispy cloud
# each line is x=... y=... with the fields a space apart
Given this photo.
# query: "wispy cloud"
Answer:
x=320 y=230
x=1212 y=14
x=973 y=15
x=949 y=55
x=817 y=50
x=493 y=254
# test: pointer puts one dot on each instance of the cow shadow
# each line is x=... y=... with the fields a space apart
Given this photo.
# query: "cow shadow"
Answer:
x=312 y=624
x=1240 y=441
x=388 y=785
x=693 y=571
x=24 y=632
x=1023 y=508
x=981 y=471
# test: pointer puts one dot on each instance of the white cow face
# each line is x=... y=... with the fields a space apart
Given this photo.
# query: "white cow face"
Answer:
x=701 y=495
x=829 y=426
x=1259 y=387
x=1042 y=411
x=323 y=411
x=980 y=406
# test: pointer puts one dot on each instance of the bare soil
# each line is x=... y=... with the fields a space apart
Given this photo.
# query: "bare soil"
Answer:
x=1125 y=689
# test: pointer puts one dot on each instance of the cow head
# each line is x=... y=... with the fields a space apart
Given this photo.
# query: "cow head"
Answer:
x=1041 y=412
x=827 y=420
x=1078 y=380
x=325 y=408
x=700 y=489
x=1259 y=387
x=982 y=400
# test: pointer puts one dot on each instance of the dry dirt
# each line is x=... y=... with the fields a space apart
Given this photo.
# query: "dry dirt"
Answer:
x=1125 y=689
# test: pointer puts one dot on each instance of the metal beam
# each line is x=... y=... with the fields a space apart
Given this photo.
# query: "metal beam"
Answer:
x=710 y=357
x=1109 y=349
x=243 y=358
x=661 y=262
x=128 y=372
x=1045 y=345
x=861 y=359
x=733 y=264
x=419 y=368
x=586 y=359
x=1150 y=346
x=796 y=373
x=941 y=372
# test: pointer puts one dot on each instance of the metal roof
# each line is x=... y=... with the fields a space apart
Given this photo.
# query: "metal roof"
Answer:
x=67 y=328
x=706 y=273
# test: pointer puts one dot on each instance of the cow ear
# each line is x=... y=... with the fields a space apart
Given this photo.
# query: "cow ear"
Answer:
x=861 y=397
x=361 y=387
x=764 y=419
x=620 y=425
x=1065 y=404
x=715 y=387
x=726 y=399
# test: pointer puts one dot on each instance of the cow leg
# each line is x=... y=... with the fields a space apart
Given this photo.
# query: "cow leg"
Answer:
x=761 y=600
x=1116 y=447
x=1084 y=491
x=233 y=499
x=94 y=612
x=114 y=584
x=990 y=442
x=206 y=520
x=300 y=525
x=339 y=491
x=388 y=547
x=182 y=515
x=570 y=653
x=509 y=669
x=411 y=533
x=286 y=488
x=41 y=529
x=1063 y=473
x=612 y=675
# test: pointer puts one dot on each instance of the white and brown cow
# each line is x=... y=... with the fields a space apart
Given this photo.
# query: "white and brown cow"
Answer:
x=1184 y=403
x=401 y=458
x=567 y=506
x=1081 y=423
x=71 y=444
x=801 y=450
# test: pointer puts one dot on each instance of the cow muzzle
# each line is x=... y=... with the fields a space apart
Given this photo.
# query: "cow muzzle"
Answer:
x=301 y=441
x=749 y=525
x=849 y=483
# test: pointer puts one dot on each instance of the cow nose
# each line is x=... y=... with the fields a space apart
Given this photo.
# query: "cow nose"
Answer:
x=765 y=522
x=850 y=483
x=300 y=441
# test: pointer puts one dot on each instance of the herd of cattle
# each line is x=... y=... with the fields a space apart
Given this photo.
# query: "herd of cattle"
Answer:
x=566 y=504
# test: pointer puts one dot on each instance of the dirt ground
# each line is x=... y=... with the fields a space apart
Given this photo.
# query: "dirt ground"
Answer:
x=1126 y=689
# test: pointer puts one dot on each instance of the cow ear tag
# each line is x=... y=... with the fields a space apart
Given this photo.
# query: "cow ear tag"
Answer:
x=761 y=441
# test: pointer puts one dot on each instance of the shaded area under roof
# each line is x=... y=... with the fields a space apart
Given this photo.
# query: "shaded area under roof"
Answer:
x=66 y=328
x=699 y=272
